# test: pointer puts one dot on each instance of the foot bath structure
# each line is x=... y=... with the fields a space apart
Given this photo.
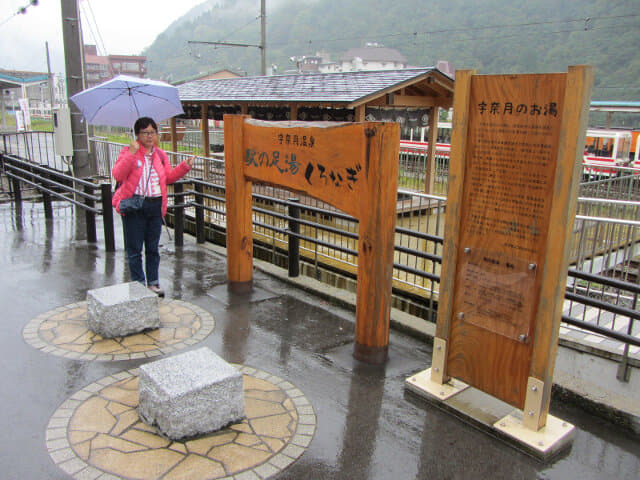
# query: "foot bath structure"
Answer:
x=120 y=310
x=97 y=433
x=190 y=394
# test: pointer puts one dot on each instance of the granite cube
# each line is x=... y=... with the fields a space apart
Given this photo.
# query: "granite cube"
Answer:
x=190 y=394
x=122 y=309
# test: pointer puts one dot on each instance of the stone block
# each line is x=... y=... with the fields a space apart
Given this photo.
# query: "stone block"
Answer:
x=122 y=309
x=190 y=394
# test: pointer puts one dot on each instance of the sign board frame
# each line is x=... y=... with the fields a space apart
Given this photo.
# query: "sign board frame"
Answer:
x=352 y=166
x=503 y=339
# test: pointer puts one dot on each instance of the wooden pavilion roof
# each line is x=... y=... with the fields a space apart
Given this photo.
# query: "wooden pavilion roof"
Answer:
x=414 y=87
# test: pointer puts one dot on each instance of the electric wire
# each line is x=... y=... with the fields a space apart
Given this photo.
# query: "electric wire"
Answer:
x=20 y=11
x=88 y=25
x=521 y=34
x=585 y=20
x=101 y=40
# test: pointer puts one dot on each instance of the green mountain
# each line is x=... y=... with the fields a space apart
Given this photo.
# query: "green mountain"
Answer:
x=492 y=36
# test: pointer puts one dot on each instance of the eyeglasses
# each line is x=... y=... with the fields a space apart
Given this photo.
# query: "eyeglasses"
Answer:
x=148 y=133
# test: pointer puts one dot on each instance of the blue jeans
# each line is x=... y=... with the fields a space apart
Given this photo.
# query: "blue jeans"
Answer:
x=143 y=228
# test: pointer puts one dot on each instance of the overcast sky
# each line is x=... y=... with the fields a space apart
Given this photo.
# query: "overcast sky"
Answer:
x=126 y=27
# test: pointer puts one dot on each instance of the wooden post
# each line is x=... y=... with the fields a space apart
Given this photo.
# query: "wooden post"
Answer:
x=239 y=225
x=353 y=167
x=293 y=112
x=430 y=166
x=206 y=148
x=454 y=206
x=376 y=242
x=174 y=135
x=567 y=174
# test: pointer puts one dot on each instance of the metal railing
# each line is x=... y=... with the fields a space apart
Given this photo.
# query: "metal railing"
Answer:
x=602 y=286
x=54 y=184
x=413 y=166
x=617 y=183
x=35 y=147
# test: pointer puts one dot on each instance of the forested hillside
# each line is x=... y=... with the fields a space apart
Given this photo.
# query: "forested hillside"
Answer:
x=492 y=36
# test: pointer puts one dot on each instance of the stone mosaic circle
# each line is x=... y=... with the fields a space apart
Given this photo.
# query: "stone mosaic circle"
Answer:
x=98 y=434
x=64 y=332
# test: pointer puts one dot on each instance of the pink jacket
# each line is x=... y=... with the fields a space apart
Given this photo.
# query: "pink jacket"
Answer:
x=128 y=169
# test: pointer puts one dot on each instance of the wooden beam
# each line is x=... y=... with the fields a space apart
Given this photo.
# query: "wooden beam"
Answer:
x=454 y=205
x=430 y=167
x=238 y=195
x=375 y=242
x=204 y=129
x=378 y=102
x=174 y=134
x=439 y=90
x=293 y=112
x=360 y=113
x=414 y=101
x=568 y=170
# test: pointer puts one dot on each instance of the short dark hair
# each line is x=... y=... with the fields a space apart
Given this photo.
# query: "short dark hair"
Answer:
x=144 y=122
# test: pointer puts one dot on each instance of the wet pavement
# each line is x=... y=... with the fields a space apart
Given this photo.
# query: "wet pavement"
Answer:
x=367 y=425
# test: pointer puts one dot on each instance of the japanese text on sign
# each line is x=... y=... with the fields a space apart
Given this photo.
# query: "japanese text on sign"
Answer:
x=313 y=172
x=296 y=140
x=509 y=108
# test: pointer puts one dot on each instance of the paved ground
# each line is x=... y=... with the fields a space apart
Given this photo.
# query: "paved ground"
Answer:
x=61 y=389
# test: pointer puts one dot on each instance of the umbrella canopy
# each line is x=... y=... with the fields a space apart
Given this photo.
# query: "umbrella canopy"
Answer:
x=119 y=102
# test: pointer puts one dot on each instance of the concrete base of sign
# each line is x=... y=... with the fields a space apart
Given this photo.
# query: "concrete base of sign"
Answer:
x=122 y=309
x=493 y=416
x=547 y=441
x=421 y=382
x=190 y=394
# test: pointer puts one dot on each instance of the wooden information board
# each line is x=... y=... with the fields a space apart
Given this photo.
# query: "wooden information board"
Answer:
x=352 y=166
x=515 y=164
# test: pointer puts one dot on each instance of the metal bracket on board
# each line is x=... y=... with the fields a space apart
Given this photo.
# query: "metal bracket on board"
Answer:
x=438 y=360
x=533 y=404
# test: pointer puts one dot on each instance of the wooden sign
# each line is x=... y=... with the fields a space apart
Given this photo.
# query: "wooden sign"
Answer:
x=352 y=166
x=515 y=165
x=299 y=158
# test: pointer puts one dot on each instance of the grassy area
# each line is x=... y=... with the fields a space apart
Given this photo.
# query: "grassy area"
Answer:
x=37 y=124
x=126 y=138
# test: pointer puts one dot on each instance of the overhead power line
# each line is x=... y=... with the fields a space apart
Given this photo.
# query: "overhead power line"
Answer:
x=21 y=11
x=586 y=21
x=97 y=36
x=521 y=34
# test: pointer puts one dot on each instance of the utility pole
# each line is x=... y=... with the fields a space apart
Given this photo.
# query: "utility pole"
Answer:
x=73 y=61
x=263 y=37
x=263 y=40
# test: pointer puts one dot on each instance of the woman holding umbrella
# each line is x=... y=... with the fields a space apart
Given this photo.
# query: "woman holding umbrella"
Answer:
x=143 y=171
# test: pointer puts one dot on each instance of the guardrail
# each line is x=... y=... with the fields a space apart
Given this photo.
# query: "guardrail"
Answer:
x=53 y=184
x=314 y=239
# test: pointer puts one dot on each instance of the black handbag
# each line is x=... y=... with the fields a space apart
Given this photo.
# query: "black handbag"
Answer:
x=131 y=204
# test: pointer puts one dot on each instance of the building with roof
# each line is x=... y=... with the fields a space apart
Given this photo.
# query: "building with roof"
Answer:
x=100 y=68
x=410 y=97
x=373 y=56
x=609 y=107
x=214 y=75
x=344 y=95
x=96 y=67
x=32 y=86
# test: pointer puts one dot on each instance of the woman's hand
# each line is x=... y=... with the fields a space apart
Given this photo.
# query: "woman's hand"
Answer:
x=189 y=161
x=134 y=147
